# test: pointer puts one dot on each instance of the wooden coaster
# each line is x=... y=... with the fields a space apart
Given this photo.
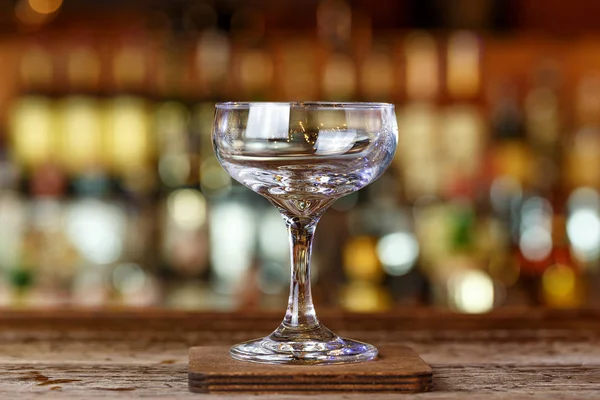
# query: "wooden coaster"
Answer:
x=397 y=369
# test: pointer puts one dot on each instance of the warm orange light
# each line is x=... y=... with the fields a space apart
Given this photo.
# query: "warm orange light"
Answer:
x=27 y=16
x=45 y=6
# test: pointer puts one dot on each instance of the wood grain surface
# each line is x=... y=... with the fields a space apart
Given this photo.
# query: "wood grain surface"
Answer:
x=517 y=354
x=396 y=369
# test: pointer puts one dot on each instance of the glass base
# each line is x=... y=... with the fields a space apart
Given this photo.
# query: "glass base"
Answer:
x=303 y=346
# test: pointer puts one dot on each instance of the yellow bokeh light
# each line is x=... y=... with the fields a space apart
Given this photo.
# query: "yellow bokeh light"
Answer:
x=561 y=287
x=187 y=208
x=361 y=261
x=559 y=280
x=363 y=296
x=45 y=6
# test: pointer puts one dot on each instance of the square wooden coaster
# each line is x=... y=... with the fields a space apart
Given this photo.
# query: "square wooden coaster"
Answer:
x=397 y=369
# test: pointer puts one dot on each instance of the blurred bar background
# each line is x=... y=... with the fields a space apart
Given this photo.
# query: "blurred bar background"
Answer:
x=110 y=195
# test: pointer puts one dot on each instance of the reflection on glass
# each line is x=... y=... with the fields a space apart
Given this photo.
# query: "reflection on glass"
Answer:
x=335 y=141
x=268 y=121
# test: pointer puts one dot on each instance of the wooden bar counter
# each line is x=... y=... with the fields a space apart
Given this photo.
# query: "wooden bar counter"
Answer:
x=517 y=354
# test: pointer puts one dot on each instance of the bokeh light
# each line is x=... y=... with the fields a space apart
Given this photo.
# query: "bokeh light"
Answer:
x=535 y=243
x=273 y=238
x=45 y=6
x=471 y=291
x=398 y=252
x=583 y=229
x=560 y=287
x=97 y=229
x=214 y=180
x=128 y=278
x=535 y=240
x=232 y=242
x=187 y=208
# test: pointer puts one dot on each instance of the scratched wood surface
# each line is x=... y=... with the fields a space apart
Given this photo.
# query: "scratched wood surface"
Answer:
x=516 y=354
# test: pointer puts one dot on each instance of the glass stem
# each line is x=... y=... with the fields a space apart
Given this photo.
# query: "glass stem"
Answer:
x=300 y=310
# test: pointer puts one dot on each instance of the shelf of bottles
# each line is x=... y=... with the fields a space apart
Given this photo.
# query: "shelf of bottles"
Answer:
x=110 y=194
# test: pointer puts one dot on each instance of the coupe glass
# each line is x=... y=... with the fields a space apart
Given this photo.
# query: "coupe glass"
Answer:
x=302 y=157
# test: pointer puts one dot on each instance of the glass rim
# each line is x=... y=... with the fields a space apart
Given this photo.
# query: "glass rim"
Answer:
x=321 y=105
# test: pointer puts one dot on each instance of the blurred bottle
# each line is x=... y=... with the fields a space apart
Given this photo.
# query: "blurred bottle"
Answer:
x=80 y=115
x=339 y=77
x=469 y=286
x=582 y=156
x=562 y=259
x=470 y=234
x=381 y=253
x=273 y=254
x=462 y=124
x=377 y=75
x=32 y=127
x=363 y=288
x=253 y=64
x=563 y=285
x=510 y=153
x=13 y=219
x=334 y=27
x=172 y=132
x=212 y=60
x=468 y=14
x=543 y=128
x=542 y=108
x=129 y=147
x=298 y=69
x=34 y=148
x=184 y=234
x=233 y=235
x=418 y=121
